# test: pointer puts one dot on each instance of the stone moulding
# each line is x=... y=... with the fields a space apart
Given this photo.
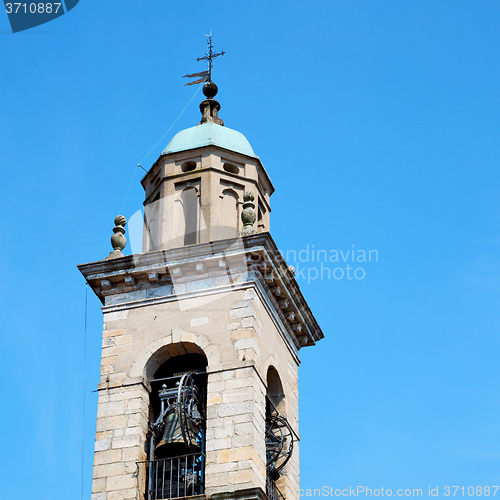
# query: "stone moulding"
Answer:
x=247 y=494
x=177 y=272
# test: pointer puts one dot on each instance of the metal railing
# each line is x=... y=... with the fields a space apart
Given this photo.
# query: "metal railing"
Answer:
x=272 y=491
x=174 y=477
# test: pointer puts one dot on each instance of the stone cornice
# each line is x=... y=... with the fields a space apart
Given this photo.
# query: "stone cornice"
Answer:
x=210 y=265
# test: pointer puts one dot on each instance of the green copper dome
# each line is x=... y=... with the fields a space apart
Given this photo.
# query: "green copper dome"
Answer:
x=210 y=134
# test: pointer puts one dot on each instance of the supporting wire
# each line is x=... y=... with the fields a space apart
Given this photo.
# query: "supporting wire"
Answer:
x=182 y=112
x=151 y=150
x=84 y=381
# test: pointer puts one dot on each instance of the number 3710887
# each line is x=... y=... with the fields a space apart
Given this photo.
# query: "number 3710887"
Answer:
x=471 y=491
x=32 y=8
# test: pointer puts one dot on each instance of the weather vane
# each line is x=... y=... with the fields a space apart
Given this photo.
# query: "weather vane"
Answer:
x=209 y=57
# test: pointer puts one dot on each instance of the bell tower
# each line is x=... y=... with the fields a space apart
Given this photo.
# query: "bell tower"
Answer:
x=202 y=330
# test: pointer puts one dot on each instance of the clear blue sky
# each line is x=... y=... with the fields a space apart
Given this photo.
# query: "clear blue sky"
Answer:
x=377 y=121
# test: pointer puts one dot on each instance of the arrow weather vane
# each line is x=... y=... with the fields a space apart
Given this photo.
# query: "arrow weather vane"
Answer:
x=210 y=56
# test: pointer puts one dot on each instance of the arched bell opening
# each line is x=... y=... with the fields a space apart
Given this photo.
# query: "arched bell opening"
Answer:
x=279 y=436
x=177 y=424
x=275 y=393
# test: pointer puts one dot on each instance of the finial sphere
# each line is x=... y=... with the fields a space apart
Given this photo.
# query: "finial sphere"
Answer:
x=210 y=90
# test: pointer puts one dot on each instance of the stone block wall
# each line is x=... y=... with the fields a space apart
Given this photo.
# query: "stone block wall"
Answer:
x=120 y=435
x=240 y=341
x=235 y=430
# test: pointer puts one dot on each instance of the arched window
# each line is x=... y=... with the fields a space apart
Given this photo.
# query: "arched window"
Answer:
x=190 y=206
x=151 y=215
x=176 y=438
x=229 y=214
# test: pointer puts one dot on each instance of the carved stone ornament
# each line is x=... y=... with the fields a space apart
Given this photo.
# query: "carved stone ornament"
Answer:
x=248 y=215
x=118 y=240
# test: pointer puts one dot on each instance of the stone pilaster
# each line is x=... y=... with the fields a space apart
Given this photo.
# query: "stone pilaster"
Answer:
x=119 y=444
x=235 y=430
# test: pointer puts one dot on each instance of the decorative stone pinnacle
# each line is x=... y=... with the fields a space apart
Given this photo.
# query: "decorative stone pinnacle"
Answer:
x=210 y=107
x=248 y=215
x=248 y=196
x=118 y=240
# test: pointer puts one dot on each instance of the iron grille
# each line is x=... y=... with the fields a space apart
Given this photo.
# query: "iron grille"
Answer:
x=174 y=477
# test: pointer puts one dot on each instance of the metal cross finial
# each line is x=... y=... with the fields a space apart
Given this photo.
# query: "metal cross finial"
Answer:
x=211 y=55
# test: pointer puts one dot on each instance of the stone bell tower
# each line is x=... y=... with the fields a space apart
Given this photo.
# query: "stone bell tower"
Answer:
x=202 y=332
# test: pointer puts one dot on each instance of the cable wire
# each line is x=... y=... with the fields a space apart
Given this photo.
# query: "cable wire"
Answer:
x=139 y=164
x=84 y=381
x=182 y=112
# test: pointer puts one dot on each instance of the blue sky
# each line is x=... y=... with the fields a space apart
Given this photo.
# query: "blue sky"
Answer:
x=378 y=123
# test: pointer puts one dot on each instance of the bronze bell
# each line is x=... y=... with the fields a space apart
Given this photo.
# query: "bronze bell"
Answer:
x=172 y=443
